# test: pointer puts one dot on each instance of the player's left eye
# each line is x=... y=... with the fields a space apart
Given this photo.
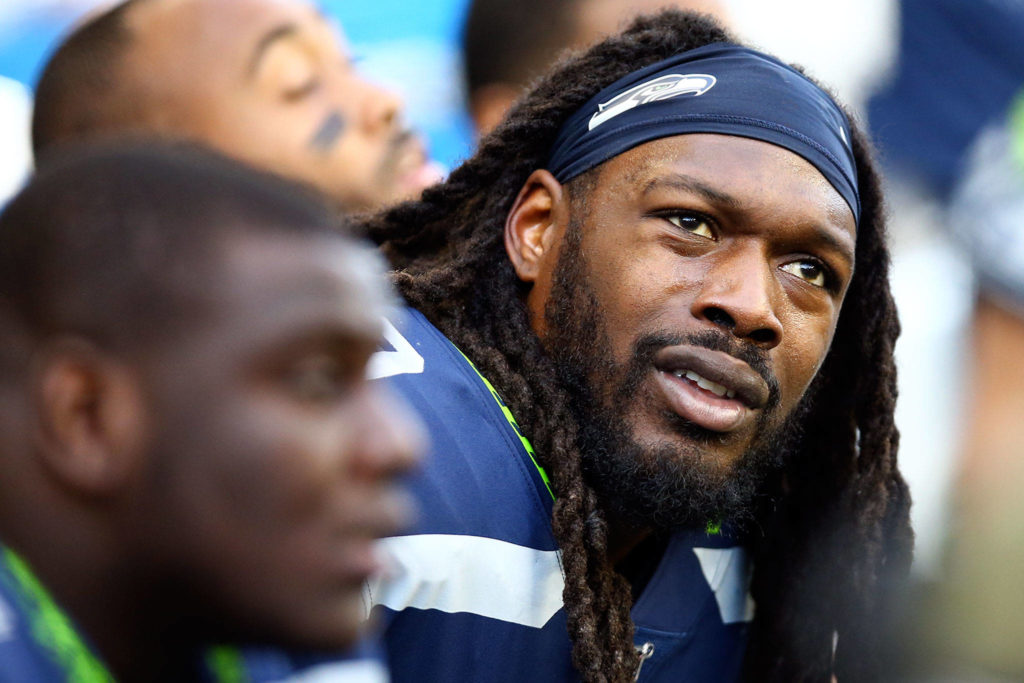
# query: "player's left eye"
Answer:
x=810 y=271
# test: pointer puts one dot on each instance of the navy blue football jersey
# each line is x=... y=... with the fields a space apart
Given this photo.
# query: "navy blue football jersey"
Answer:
x=475 y=590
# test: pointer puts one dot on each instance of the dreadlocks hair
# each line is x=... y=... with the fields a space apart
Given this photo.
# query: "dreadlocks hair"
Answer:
x=834 y=524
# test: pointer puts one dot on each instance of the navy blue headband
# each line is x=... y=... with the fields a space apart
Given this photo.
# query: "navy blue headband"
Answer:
x=719 y=88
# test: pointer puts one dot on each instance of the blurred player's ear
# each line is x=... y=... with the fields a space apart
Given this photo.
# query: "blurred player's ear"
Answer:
x=535 y=224
x=89 y=414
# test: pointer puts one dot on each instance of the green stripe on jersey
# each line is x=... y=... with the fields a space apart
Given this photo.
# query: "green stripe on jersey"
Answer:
x=51 y=627
x=512 y=421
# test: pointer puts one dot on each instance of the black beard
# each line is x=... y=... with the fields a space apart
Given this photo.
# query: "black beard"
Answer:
x=654 y=486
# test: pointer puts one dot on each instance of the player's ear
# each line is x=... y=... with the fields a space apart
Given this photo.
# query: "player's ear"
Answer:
x=89 y=413
x=538 y=216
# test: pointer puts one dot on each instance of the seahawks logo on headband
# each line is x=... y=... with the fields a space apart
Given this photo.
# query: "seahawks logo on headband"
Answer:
x=661 y=88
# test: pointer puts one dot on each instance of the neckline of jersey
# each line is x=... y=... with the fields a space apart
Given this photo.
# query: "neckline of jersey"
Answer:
x=511 y=420
x=53 y=630
x=714 y=527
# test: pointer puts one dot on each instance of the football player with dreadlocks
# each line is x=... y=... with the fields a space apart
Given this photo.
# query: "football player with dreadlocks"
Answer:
x=669 y=264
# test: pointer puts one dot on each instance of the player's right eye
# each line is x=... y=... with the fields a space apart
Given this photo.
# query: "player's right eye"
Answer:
x=317 y=379
x=297 y=92
x=693 y=223
x=291 y=69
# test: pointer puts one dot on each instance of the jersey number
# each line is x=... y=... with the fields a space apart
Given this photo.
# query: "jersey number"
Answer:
x=395 y=357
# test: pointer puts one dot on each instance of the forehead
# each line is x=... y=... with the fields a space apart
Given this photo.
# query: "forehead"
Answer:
x=220 y=32
x=750 y=174
x=279 y=284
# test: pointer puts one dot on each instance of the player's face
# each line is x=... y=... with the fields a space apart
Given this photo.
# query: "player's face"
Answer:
x=715 y=267
x=275 y=460
x=271 y=82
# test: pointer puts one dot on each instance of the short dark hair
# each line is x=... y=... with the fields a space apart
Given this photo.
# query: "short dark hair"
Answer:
x=111 y=242
x=514 y=41
x=78 y=91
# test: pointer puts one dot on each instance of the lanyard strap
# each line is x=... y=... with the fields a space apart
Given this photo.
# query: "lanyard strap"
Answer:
x=512 y=421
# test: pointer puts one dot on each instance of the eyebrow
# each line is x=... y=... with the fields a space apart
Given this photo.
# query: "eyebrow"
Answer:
x=266 y=42
x=314 y=329
x=337 y=333
x=680 y=181
x=686 y=183
x=841 y=246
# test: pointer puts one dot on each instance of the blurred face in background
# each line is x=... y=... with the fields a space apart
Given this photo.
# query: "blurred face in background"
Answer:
x=595 y=19
x=589 y=21
x=271 y=82
x=274 y=460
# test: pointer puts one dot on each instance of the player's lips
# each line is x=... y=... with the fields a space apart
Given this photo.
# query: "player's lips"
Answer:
x=710 y=388
x=387 y=513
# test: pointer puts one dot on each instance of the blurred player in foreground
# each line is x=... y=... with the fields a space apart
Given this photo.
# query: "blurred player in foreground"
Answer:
x=269 y=82
x=191 y=452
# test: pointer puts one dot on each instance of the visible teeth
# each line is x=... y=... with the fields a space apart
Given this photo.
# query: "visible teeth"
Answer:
x=704 y=383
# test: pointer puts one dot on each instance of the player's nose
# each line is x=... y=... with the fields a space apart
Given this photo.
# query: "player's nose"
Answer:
x=381 y=109
x=738 y=294
x=393 y=438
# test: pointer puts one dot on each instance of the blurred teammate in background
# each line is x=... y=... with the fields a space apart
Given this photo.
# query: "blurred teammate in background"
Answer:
x=498 y=63
x=269 y=82
x=974 y=622
x=191 y=452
